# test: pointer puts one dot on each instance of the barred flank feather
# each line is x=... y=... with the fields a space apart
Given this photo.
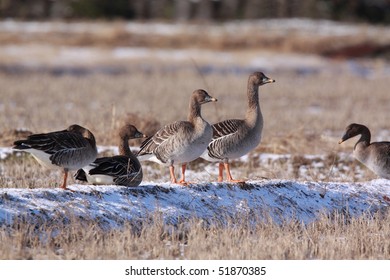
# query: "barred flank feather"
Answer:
x=123 y=169
x=224 y=128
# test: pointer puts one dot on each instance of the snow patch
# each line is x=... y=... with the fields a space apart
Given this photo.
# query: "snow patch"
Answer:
x=112 y=206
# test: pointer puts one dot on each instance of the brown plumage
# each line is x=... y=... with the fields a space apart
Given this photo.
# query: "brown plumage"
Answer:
x=69 y=149
x=123 y=169
x=376 y=155
x=236 y=137
x=182 y=141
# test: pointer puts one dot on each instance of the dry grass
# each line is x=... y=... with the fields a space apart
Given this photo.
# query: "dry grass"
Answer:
x=302 y=114
x=336 y=237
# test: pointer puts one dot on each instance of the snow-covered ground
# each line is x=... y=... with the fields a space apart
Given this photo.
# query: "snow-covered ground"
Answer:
x=112 y=206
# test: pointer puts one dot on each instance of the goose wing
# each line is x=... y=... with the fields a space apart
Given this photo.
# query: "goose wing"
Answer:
x=64 y=147
x=69 y=149
x=111 y=166
x=46 y=142
x=123 y=170
x=224 y=135
x=226 y=128
x=163 y=141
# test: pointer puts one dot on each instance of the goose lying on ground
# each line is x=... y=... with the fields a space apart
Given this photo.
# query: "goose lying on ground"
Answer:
x=182 y=141
x=69 y=149
x=123 y=169
x=376 y=155
x=234 y=138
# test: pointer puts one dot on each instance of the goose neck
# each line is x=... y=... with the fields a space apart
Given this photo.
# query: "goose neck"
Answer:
x=124 y=148
x=253 y=96
x=194 y=111
x=364 y=139
x=253 y=113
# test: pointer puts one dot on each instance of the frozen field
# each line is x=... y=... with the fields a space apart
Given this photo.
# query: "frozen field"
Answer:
x=304 y=200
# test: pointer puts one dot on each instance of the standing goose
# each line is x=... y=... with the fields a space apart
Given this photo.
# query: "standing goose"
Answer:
x=123 y=169
x=182 y=141
x=69 y=149
x=234 y=138
x=376 y=155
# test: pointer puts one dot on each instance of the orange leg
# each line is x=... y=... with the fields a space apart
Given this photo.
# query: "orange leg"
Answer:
x=229 y=176
x=65 y=179
x=172 y=173
x=220 y=174
x=183 y=178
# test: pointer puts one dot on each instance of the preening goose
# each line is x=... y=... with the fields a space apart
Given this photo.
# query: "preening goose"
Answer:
x=236 y=137
x=182 y=141
x=376 y=155
x=69 y=149
x=123 y=169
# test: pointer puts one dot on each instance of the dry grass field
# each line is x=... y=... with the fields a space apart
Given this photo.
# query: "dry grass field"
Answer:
x=303 y=114
x=336 y=238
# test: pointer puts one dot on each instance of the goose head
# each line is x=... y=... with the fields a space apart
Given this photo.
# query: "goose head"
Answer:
x=353 y=130
x=75 y=128
x=259 y=79
x=129 y=131
x=200 y=96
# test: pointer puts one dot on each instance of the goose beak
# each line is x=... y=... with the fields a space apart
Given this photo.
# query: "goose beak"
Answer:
x=345 y=137
x=211 y=99
x=140 y=135
x=266 y=80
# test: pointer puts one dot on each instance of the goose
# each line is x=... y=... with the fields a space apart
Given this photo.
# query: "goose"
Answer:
x=69 y=149
x=234 y=138
x=123 y=169
x=182 y=141
x=375 y=156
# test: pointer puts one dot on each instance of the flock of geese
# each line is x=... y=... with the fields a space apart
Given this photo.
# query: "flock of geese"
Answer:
x=178 y=143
